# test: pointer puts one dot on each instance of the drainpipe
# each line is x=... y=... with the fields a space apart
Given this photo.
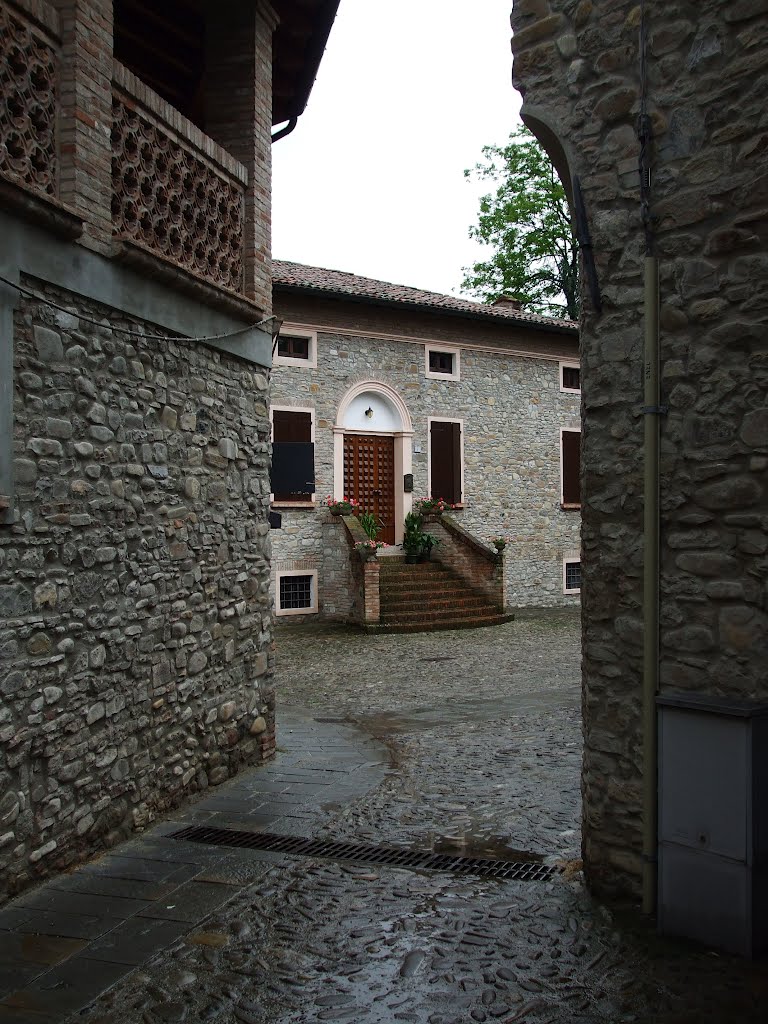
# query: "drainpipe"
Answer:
x=652 y=412
x=650 y=578
x=282 y=132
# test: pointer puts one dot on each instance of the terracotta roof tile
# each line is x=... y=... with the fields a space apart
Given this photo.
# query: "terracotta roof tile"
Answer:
x=338 y=282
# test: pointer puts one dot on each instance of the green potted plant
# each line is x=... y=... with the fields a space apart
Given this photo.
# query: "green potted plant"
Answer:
x=412 y=538
x=428 y=541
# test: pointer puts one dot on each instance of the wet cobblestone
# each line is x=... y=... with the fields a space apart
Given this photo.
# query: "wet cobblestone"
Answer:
x=482 y=756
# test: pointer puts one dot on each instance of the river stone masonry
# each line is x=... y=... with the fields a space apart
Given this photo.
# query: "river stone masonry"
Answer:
x=577 y=64
x=134 y=582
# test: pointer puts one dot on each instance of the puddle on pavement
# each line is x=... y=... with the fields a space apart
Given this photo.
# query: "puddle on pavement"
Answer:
x=428 y=717
x=490 y=847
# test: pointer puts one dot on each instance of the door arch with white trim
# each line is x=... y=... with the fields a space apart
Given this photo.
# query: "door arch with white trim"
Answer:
x=372 y=452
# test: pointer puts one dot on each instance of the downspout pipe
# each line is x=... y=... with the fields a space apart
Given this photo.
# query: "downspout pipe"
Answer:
x=282 y=132
x=651 y=412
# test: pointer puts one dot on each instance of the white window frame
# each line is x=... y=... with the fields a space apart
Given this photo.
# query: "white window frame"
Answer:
x=293 y=408
x=569 y=560
x=569 y=365
x=566 y=430
x=451 y=350
x=297 y=332
x=446 y=419
x=279 y=574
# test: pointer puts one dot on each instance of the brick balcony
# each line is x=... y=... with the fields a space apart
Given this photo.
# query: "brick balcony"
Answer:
x=81 y=135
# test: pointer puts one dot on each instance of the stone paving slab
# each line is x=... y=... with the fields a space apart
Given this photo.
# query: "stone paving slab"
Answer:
x=68 y=940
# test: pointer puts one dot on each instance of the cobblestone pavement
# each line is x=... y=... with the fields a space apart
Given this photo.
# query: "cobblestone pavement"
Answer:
x=464 y=742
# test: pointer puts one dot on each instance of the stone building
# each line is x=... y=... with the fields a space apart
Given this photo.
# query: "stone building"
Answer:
x=477 y=404
x=135 y=342
x=691 y=101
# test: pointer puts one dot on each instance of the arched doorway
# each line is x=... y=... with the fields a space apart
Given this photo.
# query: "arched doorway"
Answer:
x=372 y=454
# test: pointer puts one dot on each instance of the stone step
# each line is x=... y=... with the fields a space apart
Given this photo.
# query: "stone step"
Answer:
x=428 y=596
x=467 y=622
x=430 y=614
x=434 y=602
x=439 y=588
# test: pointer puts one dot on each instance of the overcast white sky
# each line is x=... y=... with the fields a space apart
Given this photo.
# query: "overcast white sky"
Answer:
x=372 y=179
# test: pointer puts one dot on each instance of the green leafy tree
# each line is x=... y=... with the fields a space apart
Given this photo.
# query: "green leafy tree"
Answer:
x=527 y=223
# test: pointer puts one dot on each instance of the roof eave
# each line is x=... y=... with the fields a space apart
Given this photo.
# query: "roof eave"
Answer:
x=425 y=307
x=286 y=110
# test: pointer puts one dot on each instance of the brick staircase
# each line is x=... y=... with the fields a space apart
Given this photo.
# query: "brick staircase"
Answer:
x=427 y=596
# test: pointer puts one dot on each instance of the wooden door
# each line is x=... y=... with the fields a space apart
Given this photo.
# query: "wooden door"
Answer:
x=369 y=476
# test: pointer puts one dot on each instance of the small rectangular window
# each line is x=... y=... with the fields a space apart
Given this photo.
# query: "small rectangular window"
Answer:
x=571 y=576
x=570 y=377
x=293 y=347
x=570 y=465
x=293 y=456
x=442 y=362
x=296 y=347
x=295 y=592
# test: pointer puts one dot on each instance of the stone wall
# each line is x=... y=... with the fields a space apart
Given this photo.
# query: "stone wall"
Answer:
x=134 y=592
x=512 y=411
x=577 y=64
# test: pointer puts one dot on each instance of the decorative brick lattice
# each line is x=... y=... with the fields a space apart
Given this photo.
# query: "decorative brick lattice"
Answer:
x=172 y=201
x=28 y=73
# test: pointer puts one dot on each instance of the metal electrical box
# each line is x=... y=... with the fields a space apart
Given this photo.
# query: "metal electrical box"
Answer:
x=713 y=821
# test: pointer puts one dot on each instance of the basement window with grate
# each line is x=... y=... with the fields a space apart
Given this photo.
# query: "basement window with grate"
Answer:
x=571 y=576
x=296 y=592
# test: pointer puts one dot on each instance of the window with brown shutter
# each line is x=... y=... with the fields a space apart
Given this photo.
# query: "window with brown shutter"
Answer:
x=293 y=456
x=570 y=461
x=570 y=377
x=293 y=347
x=445 y=460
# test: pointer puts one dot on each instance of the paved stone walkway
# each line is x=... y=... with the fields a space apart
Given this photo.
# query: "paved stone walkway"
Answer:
x=464 y=742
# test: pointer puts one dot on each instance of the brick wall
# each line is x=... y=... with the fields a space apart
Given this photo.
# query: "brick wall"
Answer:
x=461 y=552
x=86 y=116
x=238 y=115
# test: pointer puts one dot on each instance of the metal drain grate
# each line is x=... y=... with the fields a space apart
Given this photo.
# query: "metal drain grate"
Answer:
x=297 y=846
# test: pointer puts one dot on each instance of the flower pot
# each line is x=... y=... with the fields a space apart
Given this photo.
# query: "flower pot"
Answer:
x=412 y=557
x=335 y=511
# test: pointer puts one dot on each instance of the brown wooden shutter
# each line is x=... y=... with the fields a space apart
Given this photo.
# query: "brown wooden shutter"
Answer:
x=571 y=462
x=293 y=456
x=445 y=460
